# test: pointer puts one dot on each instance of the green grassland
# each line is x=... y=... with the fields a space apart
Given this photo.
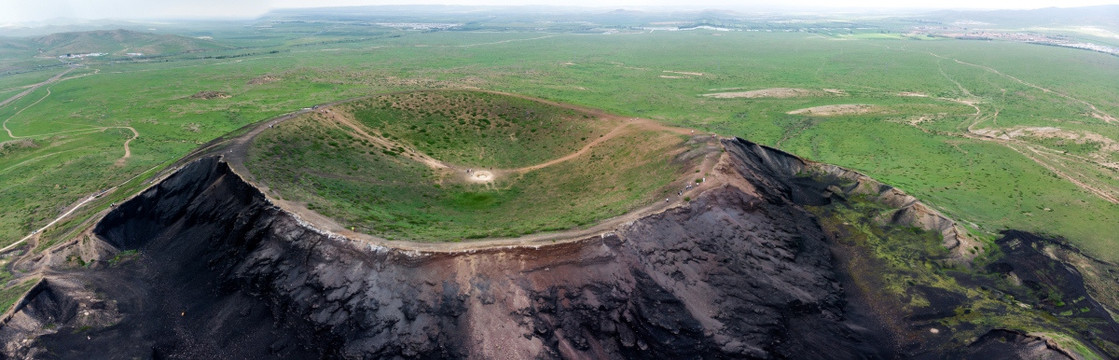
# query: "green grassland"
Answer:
x=11 y=295
x=378 y=190
x=480 y=129
x=979 y=181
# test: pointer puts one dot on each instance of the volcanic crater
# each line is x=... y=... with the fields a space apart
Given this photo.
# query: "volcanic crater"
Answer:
x=353 y=230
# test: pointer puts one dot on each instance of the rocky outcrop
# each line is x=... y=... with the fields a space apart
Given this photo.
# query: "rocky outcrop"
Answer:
x=790 y=170
x=1009 y=344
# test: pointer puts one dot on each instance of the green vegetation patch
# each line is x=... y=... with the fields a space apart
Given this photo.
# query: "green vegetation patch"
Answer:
x=477 y=128
x=11 y=294
x=382 y=189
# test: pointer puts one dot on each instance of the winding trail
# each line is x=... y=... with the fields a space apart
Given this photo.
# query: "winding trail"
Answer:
x=5 y=124
x=964 y=90
x=127 y=150
x=1102 y=194
x=643 y=123
x=56 y=220
x=1103 y=115
x=73 y=208
x=1036 y=157
x=40 y=157
x=34 y=87
x=1038 y=154
x=31 y=88
x=79 y=204
x=380 y=140
x=119 y=162
x=1046 y=90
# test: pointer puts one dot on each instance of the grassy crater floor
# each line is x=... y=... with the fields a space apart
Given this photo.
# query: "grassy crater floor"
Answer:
x=408 y=166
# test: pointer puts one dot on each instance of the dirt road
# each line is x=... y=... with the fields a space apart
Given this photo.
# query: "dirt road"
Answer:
x=380 y=140
x=35 y=87
x=637 y=122
x=127 y=150
x=56 y=220
x=5 y=124
x=1044 y=157
x=71 y=210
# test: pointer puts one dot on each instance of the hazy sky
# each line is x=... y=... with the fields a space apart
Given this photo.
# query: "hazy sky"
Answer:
x=21 y=11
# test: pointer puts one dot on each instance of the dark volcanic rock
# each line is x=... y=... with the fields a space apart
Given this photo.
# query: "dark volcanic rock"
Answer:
x=1006 y=344
x=1043 y=277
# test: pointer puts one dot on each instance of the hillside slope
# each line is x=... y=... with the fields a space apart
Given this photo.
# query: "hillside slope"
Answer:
x=118 y=42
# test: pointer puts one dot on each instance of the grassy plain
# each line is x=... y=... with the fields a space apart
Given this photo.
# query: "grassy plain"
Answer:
x=922 y=144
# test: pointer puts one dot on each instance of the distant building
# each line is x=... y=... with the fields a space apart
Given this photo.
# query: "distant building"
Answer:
x=79 y=56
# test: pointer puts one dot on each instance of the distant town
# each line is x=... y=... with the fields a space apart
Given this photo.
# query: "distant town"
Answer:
x=93 y=54
x=1025 y=37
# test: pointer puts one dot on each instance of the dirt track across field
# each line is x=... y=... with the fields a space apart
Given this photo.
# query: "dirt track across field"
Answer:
x=127 y=150
x=35 y=87
x=5 y=124
x=1053 y=161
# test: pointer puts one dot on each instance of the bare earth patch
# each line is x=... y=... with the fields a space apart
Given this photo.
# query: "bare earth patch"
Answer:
x=774 y=93
x=261 y=80
x=1049 y=132
x=480 y=176
x=912 y=94
x=1105 y=117
x=671 y=77
x=209 y=94
x=1042 y=132
x=920 y=119
x=689 y=73
x=1102 y=157
x=834 y=110
x=18 y=144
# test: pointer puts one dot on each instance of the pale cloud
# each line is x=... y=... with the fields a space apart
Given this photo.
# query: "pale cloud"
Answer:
x=725 y=4
x=17 y=11
x=38 y=10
